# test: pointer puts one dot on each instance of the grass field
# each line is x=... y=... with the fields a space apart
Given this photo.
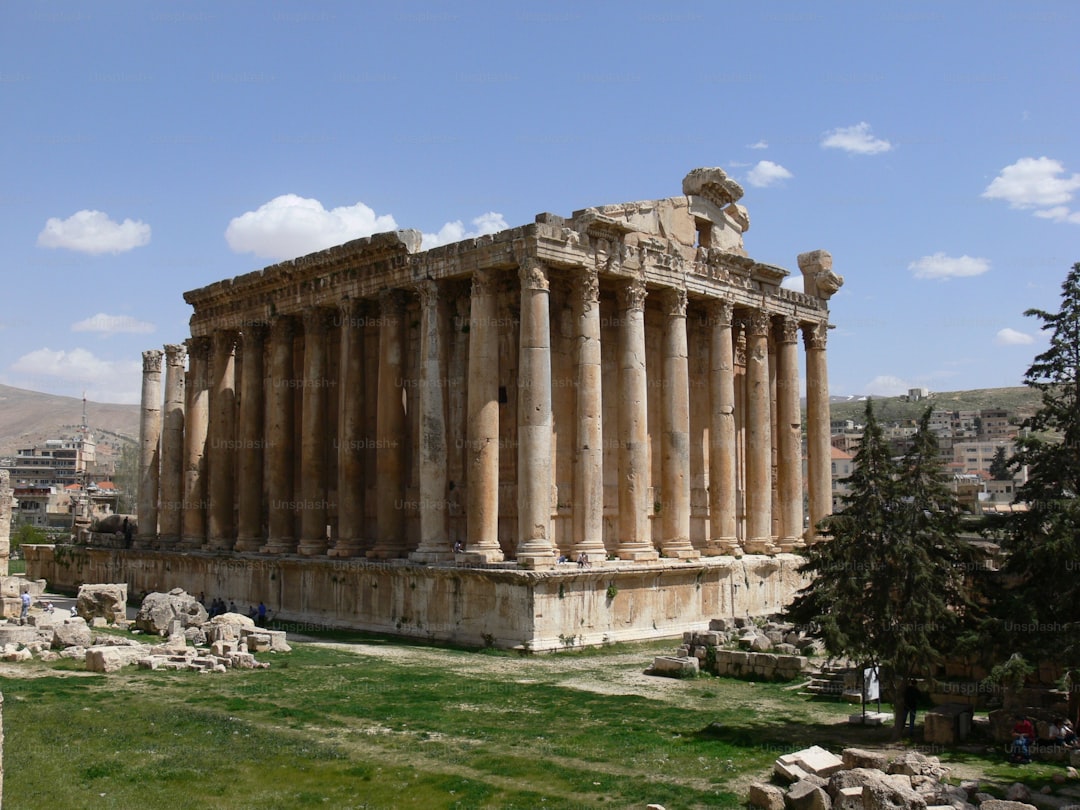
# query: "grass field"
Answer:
x=373 y=723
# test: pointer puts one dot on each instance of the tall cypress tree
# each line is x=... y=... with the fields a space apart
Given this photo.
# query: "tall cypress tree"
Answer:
x=888 y=585
x=1041 y=614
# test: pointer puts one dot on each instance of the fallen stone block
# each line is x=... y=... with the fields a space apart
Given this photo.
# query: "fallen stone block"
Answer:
x=1005 y=804
x=111 y=659
x=819 y=761
x=766 y=797
x=805 y=795
x=670 y=665
x=860 y=758
x=849 y=798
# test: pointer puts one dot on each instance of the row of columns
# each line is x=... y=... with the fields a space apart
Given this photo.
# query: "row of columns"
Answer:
x=213 y=454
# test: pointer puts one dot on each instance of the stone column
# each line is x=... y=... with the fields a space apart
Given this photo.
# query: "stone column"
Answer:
x=723 y=454
x=170 y=516
x=351 y=441
x=535 y=547
x=588 y=496
x=635 y=542
x=675 y=439
x=482 y=424
x=251 y=439
x=390 y=430
x=6 y=492
x=434 y=517
x=789 y=438
x=280 y=430
x=222 y=529
x=149 y=449
x=314 y=469
x=819 y=445
x=758 y=437
x=196 y=425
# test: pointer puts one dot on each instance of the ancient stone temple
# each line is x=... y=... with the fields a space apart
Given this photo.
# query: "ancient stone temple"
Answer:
x=623 y=383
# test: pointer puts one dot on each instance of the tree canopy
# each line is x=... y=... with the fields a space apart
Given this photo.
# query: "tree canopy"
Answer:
x=1038 y=615
x=888 y=586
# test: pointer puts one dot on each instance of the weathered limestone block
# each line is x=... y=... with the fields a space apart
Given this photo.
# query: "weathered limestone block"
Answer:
x=805 y=795
x=671 y=665
x=913 y=763
x=787 y=768
x=17 y=656
x=72 y=632
x=111 y=659
x=767 y=797
x=849 y=798
x=860 y=758
x=818 y=761
x=74 y=653
x=1005 y=804
x=107 y=601
x=885 y=792
x=159 y=609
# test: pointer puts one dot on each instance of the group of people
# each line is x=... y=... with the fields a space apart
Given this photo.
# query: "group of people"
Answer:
x=1060 y=732
x=260 y=615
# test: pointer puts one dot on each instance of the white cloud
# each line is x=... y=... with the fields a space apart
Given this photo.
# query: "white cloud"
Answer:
x=1033 y=183
x=113 y=324
x=759 y=145
x=491 y=222
x=103 y=380
x=793 y=282
x=289 y=226
x=766 y=173
x=93 y=232
x=855 y=139
x=1010 y=337
x=885 y=385
x=943 y=267
x=1059 y=213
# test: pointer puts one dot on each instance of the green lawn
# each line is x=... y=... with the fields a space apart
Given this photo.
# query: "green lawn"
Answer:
x=396 y=725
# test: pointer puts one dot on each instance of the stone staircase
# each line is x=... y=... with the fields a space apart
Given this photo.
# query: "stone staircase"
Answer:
x=833 y=680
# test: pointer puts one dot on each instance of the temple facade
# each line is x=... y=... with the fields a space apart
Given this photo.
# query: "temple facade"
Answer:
x=623 y=383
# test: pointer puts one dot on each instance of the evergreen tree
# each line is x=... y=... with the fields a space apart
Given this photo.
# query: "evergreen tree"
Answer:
x=999 y=466
x=888 y=587
x=1040 y=614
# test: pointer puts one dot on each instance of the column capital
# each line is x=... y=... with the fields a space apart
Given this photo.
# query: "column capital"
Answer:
x=151 y=361
x=787 y=329
x=719 y=312
x=757 y=325
x=586 y=284
x=256 y=330
x=198 y=347
x=485 y=282
x=391 y=301
x=815 y=335
x=534 y=276
x=317 y=320
x=352 y=310
x=428 y=290
x=674 y=302
x=225 y=339
x=175 y=354
x=632 y=295
x=283 y=327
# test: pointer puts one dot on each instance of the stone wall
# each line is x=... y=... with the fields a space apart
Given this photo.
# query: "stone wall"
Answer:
x=5 y=521
x=499 y=605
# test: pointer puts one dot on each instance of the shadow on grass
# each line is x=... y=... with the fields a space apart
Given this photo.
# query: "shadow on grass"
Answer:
x=776 y=740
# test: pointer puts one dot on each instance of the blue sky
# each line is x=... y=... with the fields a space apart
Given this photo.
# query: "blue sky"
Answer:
x=148 y=149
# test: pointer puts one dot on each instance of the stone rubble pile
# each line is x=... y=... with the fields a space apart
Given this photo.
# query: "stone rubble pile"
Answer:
x=741 y=648
x=228 y=641
x=870 y=780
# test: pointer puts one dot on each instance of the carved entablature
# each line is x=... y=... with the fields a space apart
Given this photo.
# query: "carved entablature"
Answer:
x=714 y=185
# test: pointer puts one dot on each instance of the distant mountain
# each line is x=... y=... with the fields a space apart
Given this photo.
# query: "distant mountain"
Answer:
x=1020 y=401
x=28 y=418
